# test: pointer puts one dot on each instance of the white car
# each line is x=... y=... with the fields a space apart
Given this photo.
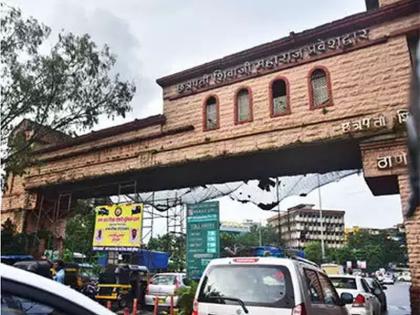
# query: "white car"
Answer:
x=162 y=286
x=23 y=292
x=365 y=302
x=388 y=279
x=267 y=286
x=405 y=276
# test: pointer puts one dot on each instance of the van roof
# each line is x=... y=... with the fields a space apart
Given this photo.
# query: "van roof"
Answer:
x=259 y=261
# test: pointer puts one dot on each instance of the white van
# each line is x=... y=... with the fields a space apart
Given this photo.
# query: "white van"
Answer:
x=267 y=286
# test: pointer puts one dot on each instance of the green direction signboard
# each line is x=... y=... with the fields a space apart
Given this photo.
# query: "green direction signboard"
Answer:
x=202 y=236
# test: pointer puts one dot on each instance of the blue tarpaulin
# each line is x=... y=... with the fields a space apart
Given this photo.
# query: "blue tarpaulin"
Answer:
x=152 y=259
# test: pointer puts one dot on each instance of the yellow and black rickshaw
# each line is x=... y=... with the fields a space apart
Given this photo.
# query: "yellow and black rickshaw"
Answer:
x=121 y=284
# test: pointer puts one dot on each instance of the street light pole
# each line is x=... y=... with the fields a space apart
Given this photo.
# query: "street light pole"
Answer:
x=278 y=207
x=321 y=219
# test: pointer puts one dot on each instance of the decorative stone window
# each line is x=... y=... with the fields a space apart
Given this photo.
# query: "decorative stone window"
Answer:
x=279 y=97
x=243 y=106
x=319 y=88
x=211 y=113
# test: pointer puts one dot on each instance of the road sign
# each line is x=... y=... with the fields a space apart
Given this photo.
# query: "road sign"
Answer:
x=202 y=236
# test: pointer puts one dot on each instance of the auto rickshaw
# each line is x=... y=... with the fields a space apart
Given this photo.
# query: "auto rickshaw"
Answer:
x=121 y=284
x=72 y=276
x=44 y=268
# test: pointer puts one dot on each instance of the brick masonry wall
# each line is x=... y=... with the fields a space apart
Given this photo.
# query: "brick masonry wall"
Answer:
x=387 y=2
x=412 y=228
x=371 y=90
x=373 y=150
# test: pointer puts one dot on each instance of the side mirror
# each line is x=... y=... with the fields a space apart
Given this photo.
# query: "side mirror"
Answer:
x=346 y=298
x=377 y=291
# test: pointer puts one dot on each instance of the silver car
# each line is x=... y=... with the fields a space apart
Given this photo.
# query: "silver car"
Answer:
x=267 y=286
x=164 y=285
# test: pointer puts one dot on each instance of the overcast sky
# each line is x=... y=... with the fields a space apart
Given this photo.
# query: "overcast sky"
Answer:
x=154 y=38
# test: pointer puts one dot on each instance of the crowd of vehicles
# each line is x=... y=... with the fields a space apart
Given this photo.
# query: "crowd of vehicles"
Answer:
x=233 y=285
x=268 y=285
x=118 y=286
x=24 y=292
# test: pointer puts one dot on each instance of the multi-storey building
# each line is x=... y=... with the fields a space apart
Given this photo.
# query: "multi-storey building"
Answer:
x=302 y=224
x=397 y=232
x=238 y=227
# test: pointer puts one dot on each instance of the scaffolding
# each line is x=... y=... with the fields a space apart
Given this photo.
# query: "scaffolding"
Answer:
x=174 y=215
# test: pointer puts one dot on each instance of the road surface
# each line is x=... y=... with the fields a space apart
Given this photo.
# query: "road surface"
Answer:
x=398 y=297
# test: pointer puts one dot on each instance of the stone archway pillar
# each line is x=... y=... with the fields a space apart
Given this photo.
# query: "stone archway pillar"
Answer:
x=385 y=170
x=412 y=230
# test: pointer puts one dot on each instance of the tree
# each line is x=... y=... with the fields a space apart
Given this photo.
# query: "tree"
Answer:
x=80 y=230
x=341 y=255
x=264 y=235
x=173 y=244
x=14 y=243
x=377 y=250
x=67 y=89
x=313 y=252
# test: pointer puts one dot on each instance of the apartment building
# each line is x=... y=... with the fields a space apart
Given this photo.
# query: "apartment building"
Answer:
x=302 y=224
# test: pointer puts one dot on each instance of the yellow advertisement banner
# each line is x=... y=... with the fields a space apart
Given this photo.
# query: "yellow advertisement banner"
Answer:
x=118 y=227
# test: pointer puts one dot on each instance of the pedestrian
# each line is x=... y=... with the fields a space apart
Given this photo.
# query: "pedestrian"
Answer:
x=59 y=271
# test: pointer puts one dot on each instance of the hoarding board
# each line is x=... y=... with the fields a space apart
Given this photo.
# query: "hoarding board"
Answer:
x=118 y=227
x=202 y=236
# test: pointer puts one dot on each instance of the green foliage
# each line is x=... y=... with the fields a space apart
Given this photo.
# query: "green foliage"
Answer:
x=186 y=298
x=80 y=230
x=377 y=250
x=266 y=234
x=66 y=89
x=14 y=243
x=67 y=255
x=173 y=244
x=313 y=252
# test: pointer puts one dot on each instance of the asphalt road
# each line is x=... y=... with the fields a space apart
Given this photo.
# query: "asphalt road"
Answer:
x=398 y=297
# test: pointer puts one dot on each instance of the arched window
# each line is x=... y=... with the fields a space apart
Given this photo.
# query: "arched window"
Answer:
x=211 y=113
x=319 y=88
x=279 y=97
x=243 y=106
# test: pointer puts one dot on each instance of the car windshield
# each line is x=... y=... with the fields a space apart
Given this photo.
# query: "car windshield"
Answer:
x=164 y=279
x=255 y=285
x=344 y=283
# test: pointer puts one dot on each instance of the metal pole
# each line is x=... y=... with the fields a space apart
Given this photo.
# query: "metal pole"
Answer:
x=278 y=208
x=288 y=228
x=321 y=219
